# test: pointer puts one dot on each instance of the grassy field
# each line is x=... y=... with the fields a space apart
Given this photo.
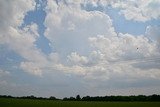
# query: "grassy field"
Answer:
x=9 y=102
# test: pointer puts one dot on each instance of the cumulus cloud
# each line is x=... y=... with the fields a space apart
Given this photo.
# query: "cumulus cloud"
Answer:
x=119 y=54
x=3 y=76
x=137 y=10
x=12 y=13
x=153 y=32
x=123 y=46
x=90 y=34
x=106 y=52
x=4 y=73
x=32 y=68
x=77 y=59
x=84 y=43
x=71 y=24
x=20 y=40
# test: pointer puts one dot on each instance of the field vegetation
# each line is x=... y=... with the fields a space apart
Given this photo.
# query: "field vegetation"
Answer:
x=12 y=102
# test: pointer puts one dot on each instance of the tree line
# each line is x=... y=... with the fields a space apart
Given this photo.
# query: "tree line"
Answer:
x=131 y=98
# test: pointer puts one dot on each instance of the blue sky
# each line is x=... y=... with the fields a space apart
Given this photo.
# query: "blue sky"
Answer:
x=65 y=47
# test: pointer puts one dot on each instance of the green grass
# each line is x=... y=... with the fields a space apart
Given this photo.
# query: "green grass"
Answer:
x=9 y=102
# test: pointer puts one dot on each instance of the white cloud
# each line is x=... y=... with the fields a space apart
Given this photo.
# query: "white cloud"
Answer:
x=106 y=53
x=115 y=57
x=32 y=68
x=3 y=76
x=20 y=40
x=77 y=59
x=106 y=63
x=85 y=44
x=71 y=24
x=125 y=45
x=74 y=69
x=12 y=13
x=4 y=73
x=138 y=10
x=153 y=32
x=73 y=32
x=54 y=57
x=121 y=52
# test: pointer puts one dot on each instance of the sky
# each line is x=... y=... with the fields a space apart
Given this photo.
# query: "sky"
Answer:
x=63 y=48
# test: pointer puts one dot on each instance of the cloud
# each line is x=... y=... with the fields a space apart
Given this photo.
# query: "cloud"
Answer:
x=106 y=54
x=153 y=32
x=4 y=73
x=20 y=39
x=77 y=59
x=136 y=10
x=85 y=45
x=71 y=24
x=22 y=42
x=32 y=68
x=87 y=40
x=13 y=12
x=123 y=46
x=119 y=55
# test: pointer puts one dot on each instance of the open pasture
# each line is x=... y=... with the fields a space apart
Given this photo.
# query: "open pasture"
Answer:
x=9 y=102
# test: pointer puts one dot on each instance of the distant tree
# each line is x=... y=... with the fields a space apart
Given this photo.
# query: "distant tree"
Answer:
x=65 y=98
x=86 y=98
x=69 y=99
x=153 y=97
x=78 y=97
x=52 y=98
x=72 y=99
x=31 y=97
